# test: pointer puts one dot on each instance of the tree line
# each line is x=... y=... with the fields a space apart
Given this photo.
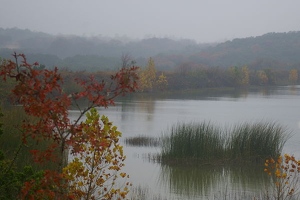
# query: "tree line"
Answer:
x=271 y=50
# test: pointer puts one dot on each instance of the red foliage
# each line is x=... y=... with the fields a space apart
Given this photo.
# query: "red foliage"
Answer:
x=42 y=97
x=50 y=186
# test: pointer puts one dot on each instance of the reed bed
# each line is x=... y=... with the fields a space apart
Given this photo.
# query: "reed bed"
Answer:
x=211 y=144
x=256 y=141
x=194 y=141
x=142 y=141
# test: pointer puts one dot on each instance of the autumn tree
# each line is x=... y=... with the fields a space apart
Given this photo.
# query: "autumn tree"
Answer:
x=92 y=174
x=285 y=174
x=293 y=76
x=239 y=75
x=162 y=82
x=40 y=94
x=262 y=76
x=245 y=76
x=148 y=76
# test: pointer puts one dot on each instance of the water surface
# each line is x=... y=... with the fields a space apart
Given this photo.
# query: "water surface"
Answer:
x=154 y=116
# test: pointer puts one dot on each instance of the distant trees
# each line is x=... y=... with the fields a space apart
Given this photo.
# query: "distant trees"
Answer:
x=149 y=80
x=148 y=76
x=239 y=75
x=274 y=51
x=263 y=78
x=235 y=76
x=162 y=82
x=195 y=77
x=293 y=76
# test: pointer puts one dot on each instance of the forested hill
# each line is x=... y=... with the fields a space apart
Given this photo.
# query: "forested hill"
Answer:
x=100 y=52
x=272 y=50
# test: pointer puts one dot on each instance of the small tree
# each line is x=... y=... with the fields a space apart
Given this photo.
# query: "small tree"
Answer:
x=93 y=172
x=162 y=82
x=286 y=174
x=293 y=76
x=148 y=76
x=240 y=76
x=42 y=97
x=262 y=76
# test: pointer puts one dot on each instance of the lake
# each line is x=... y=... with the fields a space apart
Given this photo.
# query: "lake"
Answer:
x=152 y=117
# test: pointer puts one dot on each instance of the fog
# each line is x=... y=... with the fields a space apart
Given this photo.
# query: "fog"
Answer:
x=200 y=20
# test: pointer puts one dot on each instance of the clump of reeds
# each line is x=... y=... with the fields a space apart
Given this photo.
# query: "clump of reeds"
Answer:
x=194 y=141
x=256 y=141
x=205 y=142
x=142 y=141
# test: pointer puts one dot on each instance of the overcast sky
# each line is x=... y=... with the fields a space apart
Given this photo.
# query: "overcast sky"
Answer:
x=201 y=20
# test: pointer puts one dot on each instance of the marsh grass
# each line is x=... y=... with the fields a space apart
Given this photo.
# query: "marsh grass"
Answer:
x=194 y=141
x=256 y=142
x=142 y=141
x=209 y=144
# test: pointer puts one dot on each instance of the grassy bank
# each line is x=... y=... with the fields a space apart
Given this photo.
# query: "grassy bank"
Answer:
x=212 y=145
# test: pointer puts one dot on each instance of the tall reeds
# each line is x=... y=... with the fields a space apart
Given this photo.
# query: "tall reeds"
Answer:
x=193 y=141
x=211 y=144
x=256 y=141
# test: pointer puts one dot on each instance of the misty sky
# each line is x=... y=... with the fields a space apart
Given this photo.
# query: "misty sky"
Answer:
x=201 y=20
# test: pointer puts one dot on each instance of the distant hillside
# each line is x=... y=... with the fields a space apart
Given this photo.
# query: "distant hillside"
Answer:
x=270 y=50
x=94 y=52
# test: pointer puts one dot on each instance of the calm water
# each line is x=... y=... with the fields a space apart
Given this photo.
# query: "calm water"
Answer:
x=152 y=117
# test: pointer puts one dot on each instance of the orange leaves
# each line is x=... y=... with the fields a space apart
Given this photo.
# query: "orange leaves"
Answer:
x=286 y=171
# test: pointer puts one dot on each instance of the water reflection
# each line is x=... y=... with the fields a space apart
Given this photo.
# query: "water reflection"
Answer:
x=211 y=181
x=146 y=107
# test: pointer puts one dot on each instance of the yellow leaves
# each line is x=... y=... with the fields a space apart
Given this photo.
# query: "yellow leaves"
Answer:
x=97 y=169
x=266 y=164
x=80 y=183
x=108 y=158
x=277 y=173
x=245 y=76
x=122 y=174
x=148 y=76
x=284 y=175
x=162 y=82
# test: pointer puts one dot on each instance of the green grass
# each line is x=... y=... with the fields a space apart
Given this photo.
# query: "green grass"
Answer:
x=210 y=144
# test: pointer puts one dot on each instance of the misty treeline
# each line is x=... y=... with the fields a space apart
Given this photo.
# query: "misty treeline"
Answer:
x=89 y=53
x=270 y=59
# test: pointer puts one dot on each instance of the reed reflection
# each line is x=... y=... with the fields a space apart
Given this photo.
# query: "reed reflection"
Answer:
x=195 y=181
